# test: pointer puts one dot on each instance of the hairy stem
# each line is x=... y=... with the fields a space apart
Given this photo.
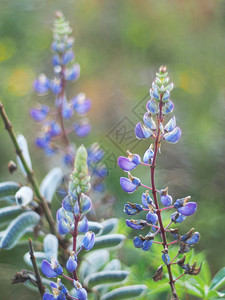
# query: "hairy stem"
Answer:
x=37 y=275
x=30 y=173
x=154 y=193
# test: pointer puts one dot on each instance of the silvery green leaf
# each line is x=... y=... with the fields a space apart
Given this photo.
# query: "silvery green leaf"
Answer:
x=8 y=188
x=109 y=225
x=24 y=196
x=51 y=246
x=114 y=264
x=126 y=292
x=93 y=262
x=105 y=277
x=96 y=227
x=25 y=151
x=39 y=257
x=50 y=183
x=17 y=228
x=8 y=199
x=8 y=213
x=108 y=241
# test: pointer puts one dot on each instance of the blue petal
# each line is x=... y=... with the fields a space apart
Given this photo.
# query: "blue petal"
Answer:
x=47 y=269
x=42 y=84
x=67 y=57
x=167 y=108
x=153 y=107
x=136 y=224
x=177 y=217
x=166 y=96
x=132 y=209
x=39 y=114
x=72 y=73
x=85 y=203
x=81 y=294
x=82 y=130
x=147 y=158
x=189 y=209
x=56 y=60
x=56 y=86
x=146 y=200
x=126 y=164
x=71 y=264
x=166 y=200
x=142 y=132
x=61 y=214
x=81 y=105
x=62 y=227
x=173 y=136
x=138 y=242
x=166 y=259
x=127 y=185
x=194 y=239
x=152 y=218
x=147 y=245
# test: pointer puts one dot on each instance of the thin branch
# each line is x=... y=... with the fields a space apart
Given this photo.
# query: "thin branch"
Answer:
x=30 y=174
x=34 y=263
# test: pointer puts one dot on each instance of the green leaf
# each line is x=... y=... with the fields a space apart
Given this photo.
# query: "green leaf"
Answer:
x=95 y=227
x=50 y=183
x=114 y=264
x=108 y=241
x=8 y=188
x=92 y=262
x=8 y=213
x=109 y=225
x=105 y=277
x=51 y=245
x=194 y=289
x=17 y=228
x=218 y=280
x=126 y=292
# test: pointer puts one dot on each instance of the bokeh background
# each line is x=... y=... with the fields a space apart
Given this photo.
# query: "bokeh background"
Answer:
x=120 y=45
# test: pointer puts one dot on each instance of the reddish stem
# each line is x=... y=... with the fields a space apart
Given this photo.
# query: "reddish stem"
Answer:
x=154 y=193
x=67 y=277
x=166 y=207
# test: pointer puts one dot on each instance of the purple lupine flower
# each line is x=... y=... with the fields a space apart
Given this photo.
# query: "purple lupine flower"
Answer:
x=167 y=108
x=81 y=293
x=63 y=226
x=42 y=84
x=81 y=104
x=188 y=209
x=40 y=113
x=142 y=132
x=194 y=239
x=71 y=264
x=173 y=136
x=177 y=217
x=56 y=86
x=146 y=200
x=170 y=126
x=132 y=208
x=166 y=258
x=56 y=61
x=147 y=244
x=154 y=93
x=67 y=57
x=68 y=203
x=129 y=163
x=83 y=225
x=138 y=242
x=129 y=185
x=166 y=96
x=72 y=73
x=82 y=129
x=59 y=291
x=148 y=156
x=166 y=199
x=85 y=203
x=149 y=122
x=136 y=224
x=152 y=218
x=52 y=269
x=88 y=240
x=153 y=107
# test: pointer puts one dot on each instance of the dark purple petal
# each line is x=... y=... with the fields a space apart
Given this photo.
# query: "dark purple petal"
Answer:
x=126 y=164
x=173 y=136
x=189 y=209
x=47 y=269
x=127 y=185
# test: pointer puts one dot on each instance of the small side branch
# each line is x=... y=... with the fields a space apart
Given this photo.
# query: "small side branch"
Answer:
x=36 y=271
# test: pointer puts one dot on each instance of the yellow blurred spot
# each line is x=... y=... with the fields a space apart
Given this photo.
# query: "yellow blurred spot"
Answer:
x=20 y=81
x=7 y=49
x=191 y=81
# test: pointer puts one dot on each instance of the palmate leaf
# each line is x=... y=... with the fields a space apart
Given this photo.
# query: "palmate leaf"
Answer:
x=109 y=225
x=8 y=213
x=105 y=277
x=93 y=262
x=108 y=241
x=50 y=183
x=126 y=292
x=8 y=188
x=17 y=228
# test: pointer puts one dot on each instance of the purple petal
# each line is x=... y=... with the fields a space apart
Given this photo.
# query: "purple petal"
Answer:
x=71 y=264
x=83 y=226
x=152 y=106
x=81 y=105
x=81 y=294
x=127 y=185
x=47 y=269
x=167 y=108
x=170 y=125
x=39 y=114
x=48 y=296
x=73 y=73
x=136 y=224
x=67 y=203
x=42 y=84
x=142 y=132
x=149 y=121
x=82 y=130
x=173 y=136
x=63 y=228
x=188 y=210
x=126 y=164
x=67 y=57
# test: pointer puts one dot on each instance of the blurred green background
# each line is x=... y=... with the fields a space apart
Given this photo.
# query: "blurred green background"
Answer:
x=120 y=45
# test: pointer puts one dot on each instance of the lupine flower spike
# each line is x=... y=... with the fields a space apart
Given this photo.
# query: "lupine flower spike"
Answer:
x=72 y=221
x=159 y=107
